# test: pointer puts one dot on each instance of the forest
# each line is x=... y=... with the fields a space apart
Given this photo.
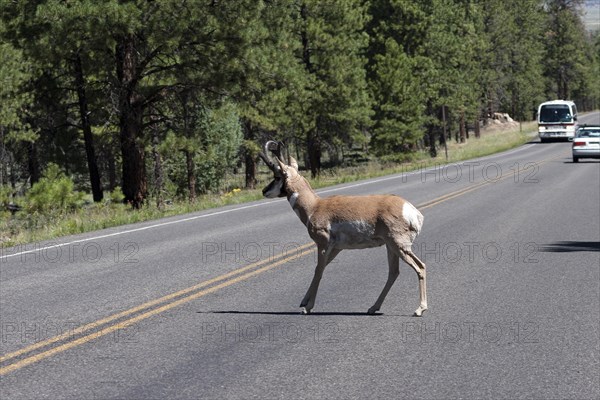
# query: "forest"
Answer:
x=140 y=101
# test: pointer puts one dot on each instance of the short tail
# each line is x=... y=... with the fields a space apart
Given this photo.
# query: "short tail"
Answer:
x=413 y=217
x=419 y=223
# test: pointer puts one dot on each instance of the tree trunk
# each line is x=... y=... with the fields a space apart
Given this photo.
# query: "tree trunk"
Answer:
x=305 y=42
x=462 y=127
x=3 y=159
x=312 y=138
x=431 y=136
x=444 y=133
x=158 y=170
x=191 y=174
x=112 y=169
x=134 y=174
x=33 y=163
x=249 y=158
x=564 y=92
x=250 y=162
x=86 y=127
x=130 y=123
x=314 y=153
x=431 y=128
x=477 y=128
x=489 y=110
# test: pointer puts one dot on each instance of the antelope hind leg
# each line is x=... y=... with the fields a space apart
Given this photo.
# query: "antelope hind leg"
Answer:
x=394 y=271
x=411 y=259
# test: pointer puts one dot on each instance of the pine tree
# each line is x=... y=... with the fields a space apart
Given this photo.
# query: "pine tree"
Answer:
x=513 y=58
x=15 y=132
x=565 y=49
x=453 y=46
x=271 y=86
x=337 y=106
x=397 y=73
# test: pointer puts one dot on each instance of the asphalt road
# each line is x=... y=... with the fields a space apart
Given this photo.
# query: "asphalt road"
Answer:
x=206 y=305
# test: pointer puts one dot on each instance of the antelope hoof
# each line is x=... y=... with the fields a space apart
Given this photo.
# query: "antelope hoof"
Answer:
x=419 y=312
x=305 y=311
x=372 y=310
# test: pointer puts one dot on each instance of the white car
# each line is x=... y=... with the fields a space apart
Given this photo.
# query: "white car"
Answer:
x=586 y=143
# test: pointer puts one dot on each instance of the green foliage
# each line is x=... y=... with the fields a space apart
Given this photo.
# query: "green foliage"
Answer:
x=17 y=230
x=513 y=57
x=337 y=102
x=219 y=150
x=116 y=196
x=213 y=137
x=15 y=70
x=251 y=147
x=593 y=102
x=5 y=196
x=358 y=75
x=54 y=193
x=397 y=72
x=400 y=111
x=565 y=48
x=272 y=80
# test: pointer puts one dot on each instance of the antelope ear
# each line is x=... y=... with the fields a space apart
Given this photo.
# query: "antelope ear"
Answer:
x=293 y=163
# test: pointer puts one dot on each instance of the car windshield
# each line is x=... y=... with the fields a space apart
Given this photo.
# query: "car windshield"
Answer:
x=555 y=113
x=586 y=132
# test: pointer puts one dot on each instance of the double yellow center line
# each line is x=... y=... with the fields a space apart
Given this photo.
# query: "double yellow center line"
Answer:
x=85 y=333
x=147 y=310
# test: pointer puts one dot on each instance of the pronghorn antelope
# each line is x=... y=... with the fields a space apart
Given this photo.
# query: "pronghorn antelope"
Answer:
x=349 y=222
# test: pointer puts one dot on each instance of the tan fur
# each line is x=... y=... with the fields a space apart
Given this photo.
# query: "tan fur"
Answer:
x=345 y=222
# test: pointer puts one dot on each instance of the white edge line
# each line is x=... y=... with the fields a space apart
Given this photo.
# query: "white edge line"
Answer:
x=420 y=171
x=387 y=178
x=6 y=256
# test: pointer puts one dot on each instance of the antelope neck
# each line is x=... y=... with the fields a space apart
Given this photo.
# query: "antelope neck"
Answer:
x=302 y=200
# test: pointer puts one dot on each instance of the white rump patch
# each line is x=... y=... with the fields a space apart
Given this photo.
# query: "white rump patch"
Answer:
x=412 y=216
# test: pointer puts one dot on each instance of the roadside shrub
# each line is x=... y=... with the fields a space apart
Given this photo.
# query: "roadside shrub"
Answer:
x=214 y=137
x=53 y=193
x=5 y=197
x=117 y=196
x=218 y=155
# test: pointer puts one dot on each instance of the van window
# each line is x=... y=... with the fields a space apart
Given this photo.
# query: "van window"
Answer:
x=555 y=113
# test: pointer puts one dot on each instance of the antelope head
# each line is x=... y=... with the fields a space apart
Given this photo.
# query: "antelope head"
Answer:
x=282 y=173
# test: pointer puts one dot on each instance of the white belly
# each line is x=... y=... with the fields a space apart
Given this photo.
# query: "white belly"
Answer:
x=354 y=235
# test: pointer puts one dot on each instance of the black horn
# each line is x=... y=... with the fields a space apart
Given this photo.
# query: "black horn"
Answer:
x=271 y=146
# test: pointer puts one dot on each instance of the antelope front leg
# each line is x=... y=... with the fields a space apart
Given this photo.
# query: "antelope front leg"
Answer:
x=324 y=258
x=308 y=302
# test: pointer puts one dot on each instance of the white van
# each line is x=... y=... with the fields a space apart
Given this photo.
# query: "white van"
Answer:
x=557 y=119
